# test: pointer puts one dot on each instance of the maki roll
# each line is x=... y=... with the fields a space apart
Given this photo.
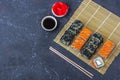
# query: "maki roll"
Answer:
x=81 y=39
x=88 y=50
x=76 y=26
x=85 y=33
x=67 y=38
x=107 y=48
x=72 y=31
x=78 y=43
x=86 y=53
x=92 y=48
x=93 y=43
x=98 y=36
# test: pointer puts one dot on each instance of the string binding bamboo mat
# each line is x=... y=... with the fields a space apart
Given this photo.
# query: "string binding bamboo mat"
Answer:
x=97 y=19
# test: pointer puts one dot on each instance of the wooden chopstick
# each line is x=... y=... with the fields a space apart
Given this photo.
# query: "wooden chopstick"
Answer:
x=90 y=75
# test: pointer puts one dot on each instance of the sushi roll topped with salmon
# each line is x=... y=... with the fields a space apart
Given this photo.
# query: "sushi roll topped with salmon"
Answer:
x=107 y=48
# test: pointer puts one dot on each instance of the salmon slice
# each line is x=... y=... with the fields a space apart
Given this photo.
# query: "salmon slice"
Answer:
x=85 y=33
x=107 y=48
x=78 y=43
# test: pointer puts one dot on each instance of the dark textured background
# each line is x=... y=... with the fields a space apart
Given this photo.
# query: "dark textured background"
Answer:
x=24 y=53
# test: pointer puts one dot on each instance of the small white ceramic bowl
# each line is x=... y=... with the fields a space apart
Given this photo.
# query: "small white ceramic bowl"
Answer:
x=51 y=18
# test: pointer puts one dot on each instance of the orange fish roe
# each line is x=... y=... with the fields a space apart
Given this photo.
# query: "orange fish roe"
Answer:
x=106 y=49
x=81 y=39
x=85 y=33
x=78 y=43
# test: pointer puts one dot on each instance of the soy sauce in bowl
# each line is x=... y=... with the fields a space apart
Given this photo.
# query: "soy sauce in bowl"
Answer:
x=49 y=23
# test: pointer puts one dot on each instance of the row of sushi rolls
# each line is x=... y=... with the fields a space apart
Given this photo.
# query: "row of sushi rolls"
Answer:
x=85 y=41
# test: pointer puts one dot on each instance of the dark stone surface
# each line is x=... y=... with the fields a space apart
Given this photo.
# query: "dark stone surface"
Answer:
x=113 y=6
x=24 y=53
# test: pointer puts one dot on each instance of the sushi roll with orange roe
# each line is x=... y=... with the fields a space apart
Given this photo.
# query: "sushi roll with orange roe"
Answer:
x=85 y=33
x=78 y=43
x=107 y=48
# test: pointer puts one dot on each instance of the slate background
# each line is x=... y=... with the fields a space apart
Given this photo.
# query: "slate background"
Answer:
x=24 y=53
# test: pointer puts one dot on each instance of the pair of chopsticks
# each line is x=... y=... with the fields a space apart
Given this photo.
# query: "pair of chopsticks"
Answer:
x=87 y=73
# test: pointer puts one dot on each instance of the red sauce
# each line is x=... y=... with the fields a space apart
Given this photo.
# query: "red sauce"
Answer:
x=60 y=8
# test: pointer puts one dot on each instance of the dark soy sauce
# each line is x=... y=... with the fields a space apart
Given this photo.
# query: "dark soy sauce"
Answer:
x=49 y=23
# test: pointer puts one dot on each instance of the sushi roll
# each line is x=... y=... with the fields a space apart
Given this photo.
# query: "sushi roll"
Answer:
x=79 y=24
x=85 y=33
x=76 y=26
x=98 y=36
x=107 y=48
x=67 y=38
x=72 y=31
x=95 y=41
x=91 y=46
x=88 y=50
x=86 y=53
x=81 y=39
x=78 y=43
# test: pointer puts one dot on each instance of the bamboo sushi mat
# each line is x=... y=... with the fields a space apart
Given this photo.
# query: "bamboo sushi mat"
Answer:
x=97 y=19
